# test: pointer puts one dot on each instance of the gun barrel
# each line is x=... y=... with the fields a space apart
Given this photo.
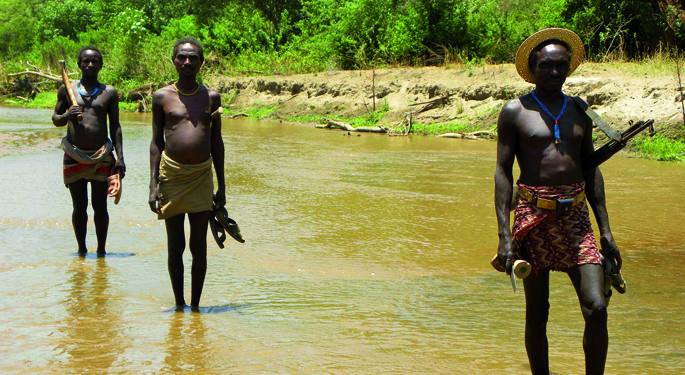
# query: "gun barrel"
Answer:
x=605 y=152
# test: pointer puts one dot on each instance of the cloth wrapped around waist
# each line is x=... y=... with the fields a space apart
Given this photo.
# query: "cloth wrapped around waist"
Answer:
x=95 y=165
x=554 y=241
x=184 y=188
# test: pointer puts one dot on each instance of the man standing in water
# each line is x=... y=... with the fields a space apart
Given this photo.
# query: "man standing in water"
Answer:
x=87 y=149
x=186 y=142
x=550 y=136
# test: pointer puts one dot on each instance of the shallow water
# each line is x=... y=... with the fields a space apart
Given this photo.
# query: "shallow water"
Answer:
x=364 y=255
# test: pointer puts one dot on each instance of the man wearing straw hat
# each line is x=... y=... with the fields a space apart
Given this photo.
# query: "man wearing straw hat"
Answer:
x=549 y=135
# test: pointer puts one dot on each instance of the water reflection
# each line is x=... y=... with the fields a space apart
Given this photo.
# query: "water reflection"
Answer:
x=206 y=309
x=186 y=347
x=366 y=255
x=92 y=328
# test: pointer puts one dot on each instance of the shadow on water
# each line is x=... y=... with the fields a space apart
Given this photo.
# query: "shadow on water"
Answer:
x=210 y=309
x=108 y=255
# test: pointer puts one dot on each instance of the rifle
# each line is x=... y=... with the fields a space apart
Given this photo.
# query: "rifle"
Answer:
x=603 y=153
x=617 y=140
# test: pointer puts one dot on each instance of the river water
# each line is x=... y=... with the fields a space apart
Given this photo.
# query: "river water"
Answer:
x=364 y=254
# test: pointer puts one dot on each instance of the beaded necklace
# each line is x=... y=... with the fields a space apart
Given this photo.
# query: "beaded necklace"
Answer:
x=557 y=137
x=93 y=94
x=188 y=94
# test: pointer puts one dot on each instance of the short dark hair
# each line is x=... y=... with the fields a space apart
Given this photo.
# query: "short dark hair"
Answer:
x=189 y=40
x=88 y=48
x=533 y=57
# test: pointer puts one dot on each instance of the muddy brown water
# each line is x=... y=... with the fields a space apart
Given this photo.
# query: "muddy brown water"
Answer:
x=364 y=255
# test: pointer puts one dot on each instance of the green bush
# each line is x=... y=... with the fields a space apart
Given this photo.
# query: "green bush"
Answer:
x=293 y=36
x=64 y=18
x=661 y=148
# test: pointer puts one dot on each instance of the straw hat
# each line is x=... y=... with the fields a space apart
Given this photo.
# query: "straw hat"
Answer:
x=528 y=45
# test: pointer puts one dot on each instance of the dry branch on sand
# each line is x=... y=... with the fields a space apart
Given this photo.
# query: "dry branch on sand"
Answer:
x=481 y=134
x=404 y=126
x=333 y=124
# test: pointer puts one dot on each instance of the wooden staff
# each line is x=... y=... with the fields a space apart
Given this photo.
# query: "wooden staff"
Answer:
x=67 y=85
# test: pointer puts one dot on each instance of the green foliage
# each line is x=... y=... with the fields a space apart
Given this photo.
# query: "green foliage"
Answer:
x=292 y=36
x=660 y=147
x=240 y=29
x=626 y=28
x=41 y=100
x=17 y=27
x=64 y=18
x=371 y=118
x=442 y=128
x=258 y=112
x=311 y=119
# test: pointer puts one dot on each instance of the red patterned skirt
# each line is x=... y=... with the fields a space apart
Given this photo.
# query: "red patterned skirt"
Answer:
x=551 y=241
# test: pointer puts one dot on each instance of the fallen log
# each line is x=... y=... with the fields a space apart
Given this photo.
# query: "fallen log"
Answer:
x=333 y=124
x=432 y=104
x=39 y=74
x=480 y=134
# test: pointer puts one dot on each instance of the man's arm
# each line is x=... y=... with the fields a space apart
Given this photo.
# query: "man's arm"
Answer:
x=116 y=132
x=60 y=116
x=217 y=144
x=594 y=191
x=504 y=180
x=156 y=147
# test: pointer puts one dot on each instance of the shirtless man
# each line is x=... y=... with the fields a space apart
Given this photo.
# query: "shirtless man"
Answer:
x=87 y=148
x=549 y=136
x=186 y=142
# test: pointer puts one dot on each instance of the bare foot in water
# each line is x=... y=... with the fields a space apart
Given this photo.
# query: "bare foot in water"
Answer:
x=195 y=308
x=82 y=252
x=101 y=253
x=181 y=308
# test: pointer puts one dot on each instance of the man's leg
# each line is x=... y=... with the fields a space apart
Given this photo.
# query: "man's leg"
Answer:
x=198 y=247
x=537 y=312
x=79 y=215
x=176 y=243
x=98 y=197
x=588 y=280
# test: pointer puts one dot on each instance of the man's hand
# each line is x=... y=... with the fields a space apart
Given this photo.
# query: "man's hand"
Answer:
x=74 y=113
x=220 y=198
x=505 y=254
x=154 y=200
x=120 y=167
x=610 y=250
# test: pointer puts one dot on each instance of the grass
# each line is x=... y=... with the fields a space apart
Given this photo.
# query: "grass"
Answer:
x=442 y=128
x=310 y=118
x=49 y=99
x=660 y=147
x=659 y=63
x=257 y=112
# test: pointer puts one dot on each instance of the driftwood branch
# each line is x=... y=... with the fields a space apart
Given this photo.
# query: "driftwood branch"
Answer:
x=333 y=124
x=481 y=134
x=431 y=104
x=39 y=74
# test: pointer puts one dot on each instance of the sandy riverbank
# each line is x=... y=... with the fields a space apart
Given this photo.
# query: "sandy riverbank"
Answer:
x=619 y=93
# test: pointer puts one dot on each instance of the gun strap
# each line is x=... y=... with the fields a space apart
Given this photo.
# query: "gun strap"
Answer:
x=598 y=121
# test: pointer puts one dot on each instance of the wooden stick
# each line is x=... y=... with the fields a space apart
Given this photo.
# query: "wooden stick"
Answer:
x=67 y=83
x=373 y=87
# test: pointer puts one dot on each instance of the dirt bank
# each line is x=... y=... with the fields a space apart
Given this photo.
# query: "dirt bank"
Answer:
x=619 y=94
